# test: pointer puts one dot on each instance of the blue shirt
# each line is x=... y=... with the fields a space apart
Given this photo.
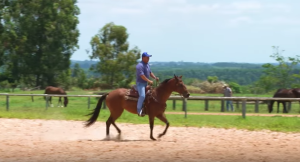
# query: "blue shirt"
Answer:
x=142 y=69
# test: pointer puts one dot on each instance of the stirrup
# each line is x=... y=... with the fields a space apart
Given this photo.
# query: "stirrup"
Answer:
x=141 y=113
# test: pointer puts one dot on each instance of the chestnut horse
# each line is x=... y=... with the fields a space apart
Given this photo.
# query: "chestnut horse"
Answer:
x=284 y=93
x=155 y=104
x=58 y=91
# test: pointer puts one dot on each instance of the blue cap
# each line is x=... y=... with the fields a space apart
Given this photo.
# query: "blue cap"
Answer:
x=145 y=54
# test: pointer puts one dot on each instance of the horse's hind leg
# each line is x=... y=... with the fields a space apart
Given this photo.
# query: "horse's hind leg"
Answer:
x=163 y=118
x=111 y=120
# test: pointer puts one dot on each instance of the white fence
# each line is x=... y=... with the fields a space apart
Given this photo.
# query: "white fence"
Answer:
x=174 y=98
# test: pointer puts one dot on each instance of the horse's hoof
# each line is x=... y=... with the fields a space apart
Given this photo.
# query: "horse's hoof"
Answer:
x=119 y=137
x=107 y=138
x=160 y=135
x=153 y=138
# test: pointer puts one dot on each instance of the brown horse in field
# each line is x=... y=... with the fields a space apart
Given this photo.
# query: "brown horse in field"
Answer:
x=155 y=103
x=284 y=93
x=58 y=91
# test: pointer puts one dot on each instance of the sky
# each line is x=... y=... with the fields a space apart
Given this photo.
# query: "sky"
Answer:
x=197 y=30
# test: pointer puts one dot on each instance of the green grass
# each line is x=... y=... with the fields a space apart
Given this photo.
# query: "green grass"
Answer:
x=22 y=107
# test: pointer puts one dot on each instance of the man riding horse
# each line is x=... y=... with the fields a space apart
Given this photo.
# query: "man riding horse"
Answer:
x=143 y=73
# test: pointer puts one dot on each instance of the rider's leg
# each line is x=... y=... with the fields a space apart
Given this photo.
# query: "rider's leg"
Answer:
x=141 y=90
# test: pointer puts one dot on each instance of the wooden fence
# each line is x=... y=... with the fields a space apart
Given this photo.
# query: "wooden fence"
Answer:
x=236 y=100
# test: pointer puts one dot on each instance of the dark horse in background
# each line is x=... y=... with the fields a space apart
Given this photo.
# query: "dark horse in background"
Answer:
x=155 y=103
x=284 y=93
x=58 y=91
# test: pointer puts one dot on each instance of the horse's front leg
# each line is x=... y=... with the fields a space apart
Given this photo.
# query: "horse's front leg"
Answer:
x=285 y=108
x=163 y=118
x=151 y=122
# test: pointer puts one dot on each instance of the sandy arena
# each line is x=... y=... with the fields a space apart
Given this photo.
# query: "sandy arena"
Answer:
x=53 y=140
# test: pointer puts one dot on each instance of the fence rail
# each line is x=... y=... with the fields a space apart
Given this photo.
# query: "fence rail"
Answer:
x=244 y=100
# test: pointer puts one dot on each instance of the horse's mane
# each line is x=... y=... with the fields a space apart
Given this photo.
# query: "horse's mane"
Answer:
x=165 y=81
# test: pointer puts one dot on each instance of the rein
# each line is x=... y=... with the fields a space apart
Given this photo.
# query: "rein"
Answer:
x=157 y=83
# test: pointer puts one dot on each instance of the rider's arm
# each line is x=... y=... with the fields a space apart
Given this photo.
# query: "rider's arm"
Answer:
x=145 y=78
x=152 y=75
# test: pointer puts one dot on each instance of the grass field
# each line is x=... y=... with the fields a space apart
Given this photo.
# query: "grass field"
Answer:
x=22 y=107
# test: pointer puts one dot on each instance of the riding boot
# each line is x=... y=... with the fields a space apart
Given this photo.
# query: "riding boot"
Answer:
x=143 y=109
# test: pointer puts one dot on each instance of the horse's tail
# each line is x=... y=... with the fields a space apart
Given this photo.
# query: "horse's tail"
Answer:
x=95 y=112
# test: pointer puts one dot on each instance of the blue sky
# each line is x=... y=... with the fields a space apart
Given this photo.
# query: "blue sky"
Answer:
x=197 y=30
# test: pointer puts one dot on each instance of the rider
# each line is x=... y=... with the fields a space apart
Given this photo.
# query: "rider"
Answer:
x=143 y=74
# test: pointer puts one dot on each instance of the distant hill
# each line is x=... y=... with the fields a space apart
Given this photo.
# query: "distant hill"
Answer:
x=241 y=73
x=83 y=64
x=190 y=65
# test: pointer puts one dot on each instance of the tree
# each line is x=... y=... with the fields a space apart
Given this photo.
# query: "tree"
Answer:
x=212 y=79
x=236 y=88
x=281 y=75
x=117 y=62
x=79 y=76
x=40 y=37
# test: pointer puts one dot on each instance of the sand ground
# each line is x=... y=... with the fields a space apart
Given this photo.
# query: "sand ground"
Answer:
x=59 y=140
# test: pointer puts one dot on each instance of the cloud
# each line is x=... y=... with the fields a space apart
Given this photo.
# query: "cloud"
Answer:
x=119 y=10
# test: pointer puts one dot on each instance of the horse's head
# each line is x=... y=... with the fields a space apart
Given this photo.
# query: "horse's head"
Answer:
x=66 y=101
x=296 y=92
x=270 y=107
x=180 y=87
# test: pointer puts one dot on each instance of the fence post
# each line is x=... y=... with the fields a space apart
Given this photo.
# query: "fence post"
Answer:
x=206 y=105
x=32 y=98
x=184 y=107
x=7 y=102
x=222 y=106
x=256 y=106
x=46 y=102
x=244 y=108
x=174 y=104
x=89 y=100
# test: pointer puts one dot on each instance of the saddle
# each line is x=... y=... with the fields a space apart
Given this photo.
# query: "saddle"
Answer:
x=134 y=93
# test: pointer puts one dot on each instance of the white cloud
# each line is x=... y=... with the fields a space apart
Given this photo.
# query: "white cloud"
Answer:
x=119 y=10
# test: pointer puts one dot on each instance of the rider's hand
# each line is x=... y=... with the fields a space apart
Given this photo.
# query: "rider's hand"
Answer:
x=150 y=82
x=156 y=78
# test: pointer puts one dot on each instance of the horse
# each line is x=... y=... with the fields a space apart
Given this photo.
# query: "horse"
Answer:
x=154 y=105
x=59 y=91
x=284 y=93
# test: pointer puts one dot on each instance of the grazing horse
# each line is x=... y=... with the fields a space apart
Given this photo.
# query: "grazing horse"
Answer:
x=284 y=93
x=59 y=91
x=154 y=104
